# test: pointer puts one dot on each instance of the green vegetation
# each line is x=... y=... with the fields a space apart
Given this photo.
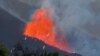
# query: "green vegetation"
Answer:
x=3 y=50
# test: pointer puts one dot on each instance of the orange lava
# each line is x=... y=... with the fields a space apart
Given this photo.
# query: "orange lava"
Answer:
x=41 y=27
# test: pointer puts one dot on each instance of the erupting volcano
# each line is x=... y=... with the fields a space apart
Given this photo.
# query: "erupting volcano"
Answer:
x=42 y=28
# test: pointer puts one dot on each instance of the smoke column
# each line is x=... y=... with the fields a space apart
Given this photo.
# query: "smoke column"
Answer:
x=70 y=13
x=79 y=21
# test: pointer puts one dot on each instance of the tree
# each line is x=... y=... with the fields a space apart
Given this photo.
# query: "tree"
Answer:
x=3 y=50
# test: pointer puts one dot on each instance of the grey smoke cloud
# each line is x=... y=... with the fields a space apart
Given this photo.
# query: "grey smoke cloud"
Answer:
x=82 y=14
x=79 y=20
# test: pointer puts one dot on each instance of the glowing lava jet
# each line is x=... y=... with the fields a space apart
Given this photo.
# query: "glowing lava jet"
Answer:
x=42 y=28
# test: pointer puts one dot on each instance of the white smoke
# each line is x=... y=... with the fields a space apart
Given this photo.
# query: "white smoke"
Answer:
x=79 y=20
x=71 y=13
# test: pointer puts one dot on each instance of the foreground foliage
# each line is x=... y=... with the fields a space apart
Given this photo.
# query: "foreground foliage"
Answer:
x=3 y=50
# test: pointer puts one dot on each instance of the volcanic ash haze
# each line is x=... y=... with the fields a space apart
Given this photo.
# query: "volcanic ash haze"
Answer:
x=82 y=14
x=79 y=21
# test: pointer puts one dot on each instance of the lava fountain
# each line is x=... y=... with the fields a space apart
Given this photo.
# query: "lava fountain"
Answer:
x=42 y=28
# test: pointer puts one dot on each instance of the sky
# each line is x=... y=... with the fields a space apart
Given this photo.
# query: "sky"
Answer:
x=10 y=28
